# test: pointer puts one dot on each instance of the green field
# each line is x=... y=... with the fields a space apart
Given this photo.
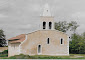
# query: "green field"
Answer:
x=21 y=56
x=4 y=55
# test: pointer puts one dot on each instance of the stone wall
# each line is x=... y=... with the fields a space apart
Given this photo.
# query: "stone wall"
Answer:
x=30 y=46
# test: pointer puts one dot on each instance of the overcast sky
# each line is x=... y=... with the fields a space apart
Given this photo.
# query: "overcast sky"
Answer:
x=23 y=16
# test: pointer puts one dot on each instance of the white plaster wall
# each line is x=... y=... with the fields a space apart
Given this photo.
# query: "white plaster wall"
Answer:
x=13 y=50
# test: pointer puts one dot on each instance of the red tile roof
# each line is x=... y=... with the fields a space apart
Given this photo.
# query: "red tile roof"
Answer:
x=18 y=38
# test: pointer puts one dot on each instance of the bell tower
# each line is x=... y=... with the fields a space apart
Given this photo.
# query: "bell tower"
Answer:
x=47 y=20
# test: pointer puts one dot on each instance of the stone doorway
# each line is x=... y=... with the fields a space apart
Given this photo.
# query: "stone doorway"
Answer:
x=39 y=49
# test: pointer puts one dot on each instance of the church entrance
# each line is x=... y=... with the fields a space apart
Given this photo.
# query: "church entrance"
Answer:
x=39 y=49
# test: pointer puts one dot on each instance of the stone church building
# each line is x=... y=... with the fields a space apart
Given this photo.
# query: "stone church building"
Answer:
x=45 y=41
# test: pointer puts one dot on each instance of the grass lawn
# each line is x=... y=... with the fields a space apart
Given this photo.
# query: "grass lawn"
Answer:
x=21 y=56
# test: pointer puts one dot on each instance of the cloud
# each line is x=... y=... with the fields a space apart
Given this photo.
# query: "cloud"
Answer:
x=79 y=14
x=22 y=16
x=81 y=29
x=27 y=26
x=3 y=16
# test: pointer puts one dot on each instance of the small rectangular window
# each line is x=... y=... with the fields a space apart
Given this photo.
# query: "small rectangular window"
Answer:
x=48 y=41
x=61 y=41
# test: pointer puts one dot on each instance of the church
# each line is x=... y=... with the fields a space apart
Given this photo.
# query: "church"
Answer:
x=45 y=41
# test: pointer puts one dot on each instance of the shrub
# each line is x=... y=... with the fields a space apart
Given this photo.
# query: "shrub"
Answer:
x=4 y=53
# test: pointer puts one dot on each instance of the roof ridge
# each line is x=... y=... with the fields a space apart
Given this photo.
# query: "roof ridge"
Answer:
x=16 y=37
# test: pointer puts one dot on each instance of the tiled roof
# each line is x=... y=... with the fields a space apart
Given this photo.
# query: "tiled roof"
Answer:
x=18 y=38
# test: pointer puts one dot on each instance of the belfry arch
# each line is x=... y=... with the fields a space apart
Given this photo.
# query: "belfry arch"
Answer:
x=44 y=25
x=50 y=25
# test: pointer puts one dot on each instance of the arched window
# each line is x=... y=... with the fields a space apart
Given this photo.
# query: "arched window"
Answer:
x=50 y=25
x=44 y=25
x=48 y=41
x=61 y=41
x=39 y=48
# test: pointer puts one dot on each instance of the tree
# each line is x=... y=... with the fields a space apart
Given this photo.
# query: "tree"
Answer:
x=77 y=45
x=64 y=26
x=2 y=38
x=73 y=26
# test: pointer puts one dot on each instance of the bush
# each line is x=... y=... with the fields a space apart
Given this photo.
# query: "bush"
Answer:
x=4 y=53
